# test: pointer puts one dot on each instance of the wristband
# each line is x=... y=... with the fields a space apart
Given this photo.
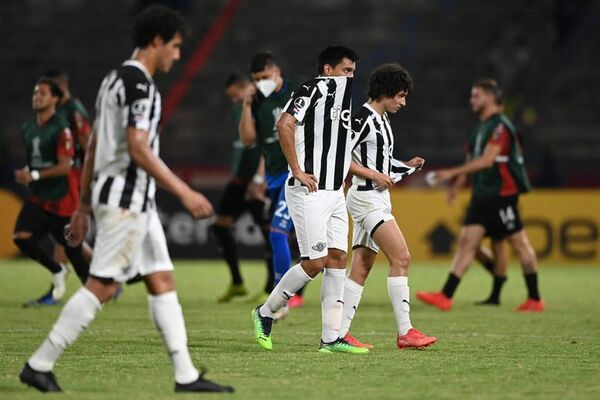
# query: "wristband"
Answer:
x=258 y=179
x=35 y=175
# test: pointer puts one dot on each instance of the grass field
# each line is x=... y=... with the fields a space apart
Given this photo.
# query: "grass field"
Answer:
x=482 y=353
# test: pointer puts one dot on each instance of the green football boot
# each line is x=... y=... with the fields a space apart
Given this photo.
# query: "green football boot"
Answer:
x=232 y=291
x=341 y=346
x=262 y=329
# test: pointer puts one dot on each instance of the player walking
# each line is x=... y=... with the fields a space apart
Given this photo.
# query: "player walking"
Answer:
x=54 y=191
x=375 y=172
x=123 y=157
x=316 y=138
x=498 y=178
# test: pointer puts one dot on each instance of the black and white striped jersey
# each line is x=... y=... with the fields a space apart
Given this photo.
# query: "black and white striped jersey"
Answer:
x=323 y=137
x=374 y=147
x=127 y=98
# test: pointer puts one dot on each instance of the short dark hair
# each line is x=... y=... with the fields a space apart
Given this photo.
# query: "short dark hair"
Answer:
x=333 y=55
x=388 y=80
x=235 y=78
x=54 y=89
x=157 y=20
x=262 y=60
x=490 y=86
x=56 y=74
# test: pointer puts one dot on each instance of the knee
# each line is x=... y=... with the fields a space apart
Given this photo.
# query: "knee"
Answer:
x=314 y=267
x=401 y=261
x=337 y=258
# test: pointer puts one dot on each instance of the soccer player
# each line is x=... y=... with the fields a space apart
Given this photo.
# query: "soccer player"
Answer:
x=244 y=192
x=498 y=178
x=54 y=191
x=375 y=172
x=316 y=138
x=261 y=108
x=123 y=157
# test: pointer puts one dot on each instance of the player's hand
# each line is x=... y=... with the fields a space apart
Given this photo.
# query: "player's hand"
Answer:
x=23 y=176
x=416 y=162
x=249 y=94
x=78 y=227
x=308 y=180
x=197 y=204
x=256 y=191
x=382 y=181
x=443 y=175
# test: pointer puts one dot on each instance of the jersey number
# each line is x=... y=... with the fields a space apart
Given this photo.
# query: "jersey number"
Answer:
x=507 y=215
x=280 y=211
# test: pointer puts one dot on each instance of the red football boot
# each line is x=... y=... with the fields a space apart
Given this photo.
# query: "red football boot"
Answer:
x=414 y=340
x=436 y=299
x=531 y=305
x=357 y=343
x=296 y=302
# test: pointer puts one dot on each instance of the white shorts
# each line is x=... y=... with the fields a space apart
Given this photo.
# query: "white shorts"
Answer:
x=369 y=209
x=320 y=219
x=128 y=243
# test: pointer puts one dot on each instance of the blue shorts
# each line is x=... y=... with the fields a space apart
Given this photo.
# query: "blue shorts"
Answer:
x=280 y=216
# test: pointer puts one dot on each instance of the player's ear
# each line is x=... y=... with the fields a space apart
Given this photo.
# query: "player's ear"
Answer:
x=157 y=41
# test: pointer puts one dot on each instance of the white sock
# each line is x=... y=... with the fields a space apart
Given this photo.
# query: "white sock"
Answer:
x=400 y=296
x=75 y=317
x=332 y=304
x=352 y=294
x=292 y=281
x=166 y=313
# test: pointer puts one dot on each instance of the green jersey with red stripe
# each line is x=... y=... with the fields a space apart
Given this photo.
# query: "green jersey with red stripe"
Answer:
x=79 y=122
x=45 y=144
x=245 y=159
x=507 y=176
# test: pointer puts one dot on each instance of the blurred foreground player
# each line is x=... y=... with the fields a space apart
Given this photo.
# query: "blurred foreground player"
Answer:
x=498 y=178
x=54 y=191
x=375 y=172
x=243 y=193
x=123 y=157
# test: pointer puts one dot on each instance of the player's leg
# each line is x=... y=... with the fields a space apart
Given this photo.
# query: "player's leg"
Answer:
x=363 y=259
x=230 y=208
x=334 y=276
x=528 y=259
x=261 y=217
x=468 y=243
x=120 y=234
x=165 y=311
x=501 y=264
x=31 y=226
x=390 y=239
x=485 y=257
x=281 y=226
x=74 y=254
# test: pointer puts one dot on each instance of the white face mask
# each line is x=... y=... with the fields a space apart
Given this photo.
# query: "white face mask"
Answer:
x=266 y=86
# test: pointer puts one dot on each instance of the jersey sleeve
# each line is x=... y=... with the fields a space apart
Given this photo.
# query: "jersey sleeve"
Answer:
x=81 y=124
x=501 y=137
x=300 y=101
x=138 y=99
x=65 y=146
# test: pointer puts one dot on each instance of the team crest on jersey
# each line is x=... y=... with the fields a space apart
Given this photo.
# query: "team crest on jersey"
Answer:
x=299 y=104
x=139 y=107
x=319 y=246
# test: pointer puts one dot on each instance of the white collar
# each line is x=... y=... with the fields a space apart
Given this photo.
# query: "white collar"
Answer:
x=377 y=115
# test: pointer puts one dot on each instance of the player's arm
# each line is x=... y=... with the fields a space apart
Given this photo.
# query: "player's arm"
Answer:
x=80 y=220
x=64 y=155
x=286 y=128
x=257 y=186
x=82 y=129
x=457 y=184
x=142 y=155
x=381 y=180
x=247 y=127
x=487 y=159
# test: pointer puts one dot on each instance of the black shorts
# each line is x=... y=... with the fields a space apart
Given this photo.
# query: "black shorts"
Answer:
x=40 y=223
x=498 y=215
x=234 y=204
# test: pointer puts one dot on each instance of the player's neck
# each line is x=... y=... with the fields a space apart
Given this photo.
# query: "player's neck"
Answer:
x=377 y=106
x=44 y=116
x=488 y=112
x=147 y=59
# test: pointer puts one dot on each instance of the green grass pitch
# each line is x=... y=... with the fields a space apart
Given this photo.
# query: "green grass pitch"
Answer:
x=482 y=353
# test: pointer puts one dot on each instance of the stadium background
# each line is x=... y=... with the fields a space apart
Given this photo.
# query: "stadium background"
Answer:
x=544 y=54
